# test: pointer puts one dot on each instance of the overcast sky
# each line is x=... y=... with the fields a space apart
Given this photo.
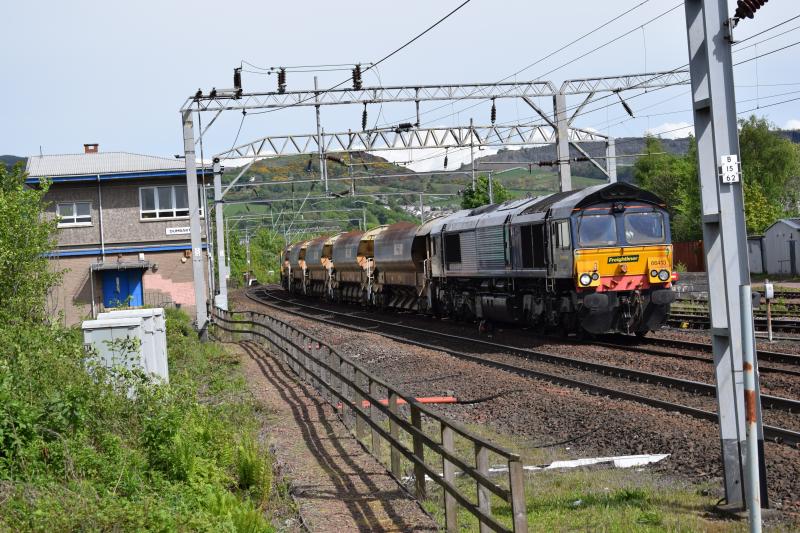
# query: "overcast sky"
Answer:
x=116 y=73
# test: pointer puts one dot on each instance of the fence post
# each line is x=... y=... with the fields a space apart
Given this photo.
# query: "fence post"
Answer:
x=394 y=454
x=518 y=508
x=449 y=471
x=484 y=502
x=419 y=453
x=361 y=430
x=336 y=363
x=374 y=414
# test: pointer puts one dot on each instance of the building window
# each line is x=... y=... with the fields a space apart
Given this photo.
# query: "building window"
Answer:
x=72 y=214
x=168 y=201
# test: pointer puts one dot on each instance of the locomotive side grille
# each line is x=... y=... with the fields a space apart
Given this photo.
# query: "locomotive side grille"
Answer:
x=492 y=246
x=469 y=252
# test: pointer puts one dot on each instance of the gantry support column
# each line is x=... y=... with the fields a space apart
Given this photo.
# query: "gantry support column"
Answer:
x=611 y=159
x=724 y=232
x=221 y=299
x=562 y=142
x=198 y=274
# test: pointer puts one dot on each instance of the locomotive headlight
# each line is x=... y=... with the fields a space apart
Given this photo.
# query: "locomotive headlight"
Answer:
x=595 y=276
x=664 y=275
x=585 y=279
x=654 y=273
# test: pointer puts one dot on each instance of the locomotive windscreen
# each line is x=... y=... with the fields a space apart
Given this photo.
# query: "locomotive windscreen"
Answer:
x=644 y=228
x=597 y=230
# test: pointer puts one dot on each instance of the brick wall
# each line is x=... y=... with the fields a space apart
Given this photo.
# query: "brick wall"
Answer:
x=121 y=214
x=169 y=281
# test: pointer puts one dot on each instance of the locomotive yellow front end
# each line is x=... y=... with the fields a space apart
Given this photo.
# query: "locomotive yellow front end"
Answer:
x=623 y=267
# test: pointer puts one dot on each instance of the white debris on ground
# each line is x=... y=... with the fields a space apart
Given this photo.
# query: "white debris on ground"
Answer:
x=619 y=461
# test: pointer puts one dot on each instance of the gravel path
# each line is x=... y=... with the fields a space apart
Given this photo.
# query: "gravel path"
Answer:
x=337 y=485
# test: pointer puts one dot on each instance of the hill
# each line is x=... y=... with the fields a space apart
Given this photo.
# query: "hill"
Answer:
x=626 y=147
x=11 y=160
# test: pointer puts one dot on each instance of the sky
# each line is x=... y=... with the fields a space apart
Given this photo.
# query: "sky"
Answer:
x=116 y=73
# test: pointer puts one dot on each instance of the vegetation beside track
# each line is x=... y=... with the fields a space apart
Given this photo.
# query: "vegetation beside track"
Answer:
x=93 y=449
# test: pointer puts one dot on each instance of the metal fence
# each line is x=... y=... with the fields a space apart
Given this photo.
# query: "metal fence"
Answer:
x=690 y=253
x=419 y=440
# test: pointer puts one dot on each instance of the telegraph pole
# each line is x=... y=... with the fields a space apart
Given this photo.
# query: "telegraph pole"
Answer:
x=201 y=319
x=724 y=233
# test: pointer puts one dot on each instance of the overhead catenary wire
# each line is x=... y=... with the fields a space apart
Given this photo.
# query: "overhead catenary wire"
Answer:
x=374 y=64
x=543 y=58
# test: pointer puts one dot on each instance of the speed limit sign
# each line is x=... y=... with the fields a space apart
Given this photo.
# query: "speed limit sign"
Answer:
x=729 y=169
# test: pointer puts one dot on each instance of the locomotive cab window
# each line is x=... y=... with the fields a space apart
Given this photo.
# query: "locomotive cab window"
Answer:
x=452 y=248
x=561 y=238
x=644 y=228
x=597 y=230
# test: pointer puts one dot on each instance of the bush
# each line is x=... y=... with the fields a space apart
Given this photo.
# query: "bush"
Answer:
x=76 y=452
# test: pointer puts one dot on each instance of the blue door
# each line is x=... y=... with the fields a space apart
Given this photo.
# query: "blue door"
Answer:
x=122 y=288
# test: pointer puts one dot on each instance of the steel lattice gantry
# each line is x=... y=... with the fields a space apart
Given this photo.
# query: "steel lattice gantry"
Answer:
x=229 y=100
x=415 y=138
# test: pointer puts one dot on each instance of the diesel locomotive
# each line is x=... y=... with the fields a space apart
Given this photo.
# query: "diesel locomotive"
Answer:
x=596 y=260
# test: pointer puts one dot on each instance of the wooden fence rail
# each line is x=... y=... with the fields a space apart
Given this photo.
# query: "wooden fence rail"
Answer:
x=358 y=398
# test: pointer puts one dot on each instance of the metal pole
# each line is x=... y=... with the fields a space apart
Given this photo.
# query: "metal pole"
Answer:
x=472 y=155
x=211 y=244
x=201 y=317
x=724 y=233
x=421 y=209
x=364 y=216
x=562 y=142
x=750 y=403
x=611 y=159
x=247 y=245
x=769 y=293
x=320 y=149
x=227 y=249
x=491 y=189
x=221 y=300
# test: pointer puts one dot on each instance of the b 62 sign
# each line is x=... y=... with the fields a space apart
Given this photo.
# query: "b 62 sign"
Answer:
x=729 y=169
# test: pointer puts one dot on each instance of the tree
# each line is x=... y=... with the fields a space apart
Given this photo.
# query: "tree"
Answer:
x=687 y=211
x=480 y=195
x=760 y=212
x=772 y=162
x=25 y=239
x=674 y=179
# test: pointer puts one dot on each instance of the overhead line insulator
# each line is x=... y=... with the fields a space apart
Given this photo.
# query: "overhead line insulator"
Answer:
x=357 y=77
x=494 y=112
x=364 y=118
x=748 y=8
x=282 y=80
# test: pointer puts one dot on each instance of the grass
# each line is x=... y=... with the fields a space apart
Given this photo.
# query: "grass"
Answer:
x=586 y=499
x=78 y=454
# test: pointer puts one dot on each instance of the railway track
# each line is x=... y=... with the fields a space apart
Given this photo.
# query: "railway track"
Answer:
x=625 y=343
x=703 y=322
x=789 y=437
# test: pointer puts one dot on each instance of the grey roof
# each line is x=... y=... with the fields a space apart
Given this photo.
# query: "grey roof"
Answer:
x=40 y=166
x=793 y=222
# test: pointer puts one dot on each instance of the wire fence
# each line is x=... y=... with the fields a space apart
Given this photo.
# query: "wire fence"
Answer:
x=414 y=442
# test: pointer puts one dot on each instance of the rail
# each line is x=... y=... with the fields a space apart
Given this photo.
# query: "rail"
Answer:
x=364 y=403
